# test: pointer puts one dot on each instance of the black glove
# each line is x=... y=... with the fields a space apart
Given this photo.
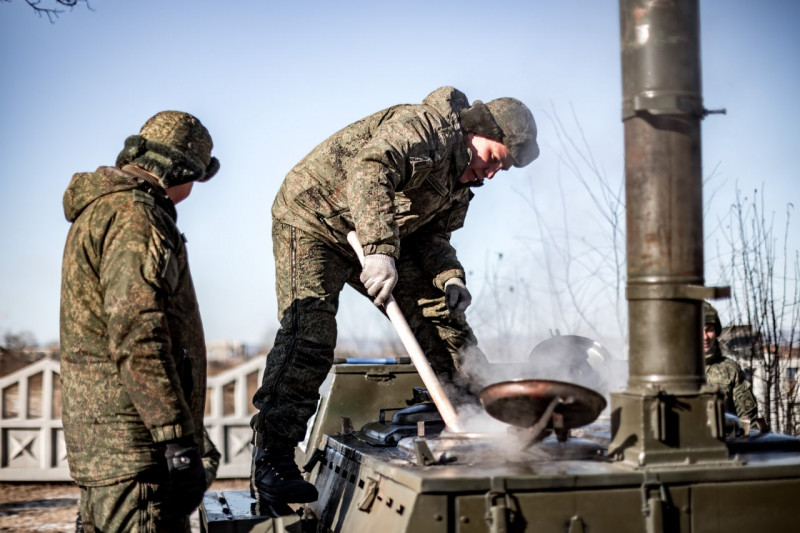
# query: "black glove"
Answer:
x=456 y=296
x=186 y=474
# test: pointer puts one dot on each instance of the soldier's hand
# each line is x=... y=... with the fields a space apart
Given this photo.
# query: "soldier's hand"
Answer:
x=187 y=476
x=456 y=296
x=379 y=276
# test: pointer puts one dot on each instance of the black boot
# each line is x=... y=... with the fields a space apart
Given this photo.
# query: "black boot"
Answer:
x=275 y=477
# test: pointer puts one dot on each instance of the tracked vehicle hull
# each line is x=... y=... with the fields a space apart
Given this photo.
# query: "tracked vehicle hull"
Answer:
x=366 y=489
x=442 y=482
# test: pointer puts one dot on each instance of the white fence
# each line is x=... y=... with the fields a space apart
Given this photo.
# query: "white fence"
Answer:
x=228 y=411
x=32 y=438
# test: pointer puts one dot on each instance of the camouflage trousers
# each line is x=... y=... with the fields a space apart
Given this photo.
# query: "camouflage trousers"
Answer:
x=309 y=275
x=133 y=506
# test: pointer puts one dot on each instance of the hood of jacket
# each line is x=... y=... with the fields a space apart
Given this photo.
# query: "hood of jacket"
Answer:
x=449 y=102
x=87 y=187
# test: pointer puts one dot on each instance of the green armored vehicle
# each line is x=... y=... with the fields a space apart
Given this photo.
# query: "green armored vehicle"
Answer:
x=659 y=456
x=380 y=465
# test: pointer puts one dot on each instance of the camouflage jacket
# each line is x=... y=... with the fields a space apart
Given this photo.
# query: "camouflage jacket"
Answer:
x=392 y=176
x=737 y=391
x=133 y=360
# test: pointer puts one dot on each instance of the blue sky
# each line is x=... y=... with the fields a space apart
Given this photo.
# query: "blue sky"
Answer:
x=271 y=80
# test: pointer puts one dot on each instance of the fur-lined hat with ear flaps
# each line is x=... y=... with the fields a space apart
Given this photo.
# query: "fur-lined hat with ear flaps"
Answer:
x=173 y=145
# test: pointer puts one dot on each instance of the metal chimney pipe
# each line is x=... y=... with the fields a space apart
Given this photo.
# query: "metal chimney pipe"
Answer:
x=662 y=109
x=666 y=415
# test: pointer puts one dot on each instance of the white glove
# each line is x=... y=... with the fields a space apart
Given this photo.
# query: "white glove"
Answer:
x=456 y=296
x=379 y=276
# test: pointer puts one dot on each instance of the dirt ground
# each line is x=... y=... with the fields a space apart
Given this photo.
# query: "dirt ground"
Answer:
x=48 y=507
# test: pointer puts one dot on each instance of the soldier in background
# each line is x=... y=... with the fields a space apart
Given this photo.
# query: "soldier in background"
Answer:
x=727 y=374
x=133 y=362
x=403 y=179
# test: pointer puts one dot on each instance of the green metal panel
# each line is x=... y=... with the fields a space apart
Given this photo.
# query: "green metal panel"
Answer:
x=358 y=393
x=758 y=506
x=600 y=511
x=430 y=513
x=354 y=498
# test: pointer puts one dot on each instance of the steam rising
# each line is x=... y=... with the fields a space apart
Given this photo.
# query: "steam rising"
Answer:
x=568 y=358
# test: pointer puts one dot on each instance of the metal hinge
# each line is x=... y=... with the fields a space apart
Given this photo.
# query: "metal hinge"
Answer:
x=501 y=511
x=654 y=507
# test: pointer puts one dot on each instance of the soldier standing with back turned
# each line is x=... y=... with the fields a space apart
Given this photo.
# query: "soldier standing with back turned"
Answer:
x=133 y=361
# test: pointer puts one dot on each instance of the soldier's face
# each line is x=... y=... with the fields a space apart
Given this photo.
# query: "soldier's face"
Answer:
x=180 y=192
x=488 y=158
x=709 y=337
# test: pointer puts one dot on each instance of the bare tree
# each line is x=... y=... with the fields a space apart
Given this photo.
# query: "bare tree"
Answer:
x=762 y=271
x=570 y=276
x=582 y=252
x=53 y=8
x=16 y=351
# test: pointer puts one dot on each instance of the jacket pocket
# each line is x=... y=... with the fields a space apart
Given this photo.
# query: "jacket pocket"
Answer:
x=335 y=217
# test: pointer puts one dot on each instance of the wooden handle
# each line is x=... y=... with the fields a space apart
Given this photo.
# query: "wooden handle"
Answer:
x=414 y=350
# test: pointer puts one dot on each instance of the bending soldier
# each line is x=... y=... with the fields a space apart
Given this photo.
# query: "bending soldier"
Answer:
x=133 y=360
x=402 y=178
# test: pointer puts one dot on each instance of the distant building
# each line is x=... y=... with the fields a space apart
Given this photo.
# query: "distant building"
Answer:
x=763 y=363
x=224 y=351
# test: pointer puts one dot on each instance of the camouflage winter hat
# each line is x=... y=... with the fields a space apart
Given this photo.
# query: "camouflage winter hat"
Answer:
x=712 y=317
x=506 y=120
x=174 y=146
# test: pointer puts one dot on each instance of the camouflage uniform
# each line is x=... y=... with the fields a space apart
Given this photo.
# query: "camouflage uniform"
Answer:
x=727 y=374
x=737 y=391
x=393 y=177
x=211 y=459
x=133 y=360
